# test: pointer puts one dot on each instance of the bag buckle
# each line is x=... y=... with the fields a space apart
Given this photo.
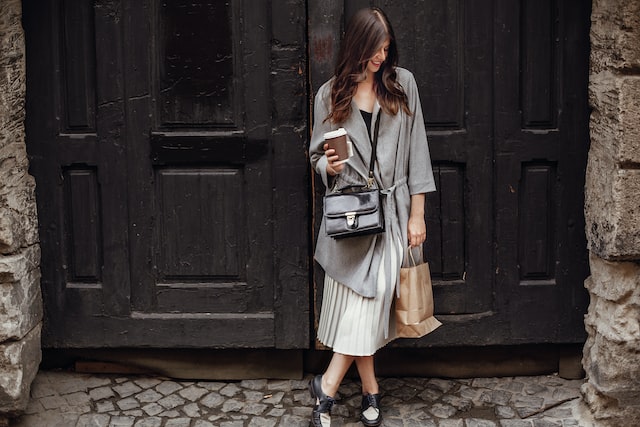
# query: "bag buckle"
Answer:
x=370 y=182
x=351 y=218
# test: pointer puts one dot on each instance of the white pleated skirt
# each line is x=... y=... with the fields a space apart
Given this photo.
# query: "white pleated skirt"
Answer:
x=352 y=324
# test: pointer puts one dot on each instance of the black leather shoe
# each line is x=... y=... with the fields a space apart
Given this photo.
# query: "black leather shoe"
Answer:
x=370 y=414
x=321 y=415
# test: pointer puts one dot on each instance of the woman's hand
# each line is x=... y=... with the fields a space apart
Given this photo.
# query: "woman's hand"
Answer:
x=332 y=157
x=416 y=231
x=417 y=228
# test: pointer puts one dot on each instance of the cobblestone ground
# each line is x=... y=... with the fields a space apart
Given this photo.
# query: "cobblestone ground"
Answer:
x=66 y=399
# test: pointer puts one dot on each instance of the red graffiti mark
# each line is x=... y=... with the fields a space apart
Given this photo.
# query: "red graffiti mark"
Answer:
x=322 y=49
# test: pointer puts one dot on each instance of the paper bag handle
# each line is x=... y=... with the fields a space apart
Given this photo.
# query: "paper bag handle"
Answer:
x=410 y=260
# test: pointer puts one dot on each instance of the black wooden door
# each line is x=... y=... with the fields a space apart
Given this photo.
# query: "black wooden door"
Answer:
x=504 y=91
x=154 y=129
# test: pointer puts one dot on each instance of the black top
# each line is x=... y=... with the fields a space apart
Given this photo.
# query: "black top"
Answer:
x=367 y=120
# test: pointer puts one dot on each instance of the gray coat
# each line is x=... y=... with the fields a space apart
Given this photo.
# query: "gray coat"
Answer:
x=403 y=168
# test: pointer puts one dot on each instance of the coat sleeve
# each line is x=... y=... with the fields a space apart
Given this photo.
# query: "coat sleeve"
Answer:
x=420 y=174
x=320 y=127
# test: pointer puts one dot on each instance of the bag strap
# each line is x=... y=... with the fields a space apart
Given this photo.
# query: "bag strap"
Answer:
x=374 y=145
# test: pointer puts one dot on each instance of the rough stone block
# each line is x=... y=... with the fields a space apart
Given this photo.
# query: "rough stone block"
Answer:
x=18 y=216
x=19 y=361
x=612 y=352
x=618 y=282
x=18 y=220
x=20 y=296
x=615 y=34
x=614 y=370
x=606 y=411
x=12 y=40
x=615 y=118
x=609 y=356
x=611 y=208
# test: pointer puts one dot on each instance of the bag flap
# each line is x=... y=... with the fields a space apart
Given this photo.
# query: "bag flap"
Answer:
x=360 y=203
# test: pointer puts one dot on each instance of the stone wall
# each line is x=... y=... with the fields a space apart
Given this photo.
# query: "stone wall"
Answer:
x=20 y=299
x=612 y=208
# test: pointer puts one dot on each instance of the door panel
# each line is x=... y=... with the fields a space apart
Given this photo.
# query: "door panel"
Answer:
x=155 y=180
x=195 y=62
x=198 y=230
x=207 y=238
x=541 y=147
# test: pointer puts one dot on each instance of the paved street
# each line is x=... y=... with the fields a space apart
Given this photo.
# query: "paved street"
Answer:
x=67 y=399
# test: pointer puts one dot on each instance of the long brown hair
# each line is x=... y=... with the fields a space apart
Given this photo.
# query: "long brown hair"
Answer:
x=368 y=29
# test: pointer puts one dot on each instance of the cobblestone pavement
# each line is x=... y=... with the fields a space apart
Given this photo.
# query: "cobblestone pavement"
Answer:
x=67 y=399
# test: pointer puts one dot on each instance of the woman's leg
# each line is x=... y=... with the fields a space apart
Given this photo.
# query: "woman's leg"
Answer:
x=366 y=370
x=370 y=414
x=335 y=372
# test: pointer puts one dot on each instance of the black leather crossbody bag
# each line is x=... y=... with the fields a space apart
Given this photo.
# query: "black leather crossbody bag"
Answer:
x=356 y=210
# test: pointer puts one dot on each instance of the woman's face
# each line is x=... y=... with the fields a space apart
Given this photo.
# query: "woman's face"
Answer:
x=378 y=57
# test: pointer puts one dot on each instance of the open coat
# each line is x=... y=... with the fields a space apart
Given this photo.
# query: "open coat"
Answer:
x=403 y=168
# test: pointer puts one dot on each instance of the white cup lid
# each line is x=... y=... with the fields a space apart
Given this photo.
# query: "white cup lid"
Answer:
x=335 y=133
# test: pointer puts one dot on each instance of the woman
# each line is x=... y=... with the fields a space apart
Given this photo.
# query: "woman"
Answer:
x=361 y=272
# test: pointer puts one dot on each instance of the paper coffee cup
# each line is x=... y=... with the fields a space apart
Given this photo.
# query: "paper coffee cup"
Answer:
x=337 y=139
